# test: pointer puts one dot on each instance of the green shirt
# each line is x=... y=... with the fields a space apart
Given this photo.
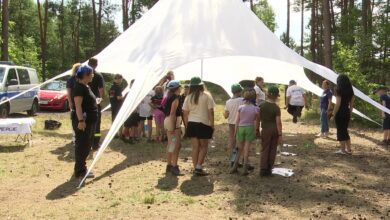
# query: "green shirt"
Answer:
x=268 y=113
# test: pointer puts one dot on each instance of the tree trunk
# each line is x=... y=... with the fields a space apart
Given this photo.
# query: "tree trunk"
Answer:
x=313 y=33
x=333 y=18
x=99 y=26
x=77 y=35
x=62 y=33
x=125 y=14
x=327 y=34
x=95 y=25
x=43 y=34
x=288 y=24
x=252 y=7
x=132 y=12
x=4 y=31
x=302 y=24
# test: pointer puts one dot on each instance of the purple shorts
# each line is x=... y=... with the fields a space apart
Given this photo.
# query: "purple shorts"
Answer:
x=159 y=117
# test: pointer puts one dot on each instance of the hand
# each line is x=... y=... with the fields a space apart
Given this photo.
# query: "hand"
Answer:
x=280 y=140
x=330 y=115
x=81 y=126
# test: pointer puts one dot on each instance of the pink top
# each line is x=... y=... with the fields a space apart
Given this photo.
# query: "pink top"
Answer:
x=248 y=114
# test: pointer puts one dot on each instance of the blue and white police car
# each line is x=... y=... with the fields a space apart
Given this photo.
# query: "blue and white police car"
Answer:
x=15 y=80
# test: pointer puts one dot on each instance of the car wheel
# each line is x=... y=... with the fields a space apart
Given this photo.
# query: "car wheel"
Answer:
x=4 y=110
x=34 y=109
x=66 y=106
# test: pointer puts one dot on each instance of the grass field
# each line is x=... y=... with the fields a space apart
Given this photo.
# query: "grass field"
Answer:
x=130 y=183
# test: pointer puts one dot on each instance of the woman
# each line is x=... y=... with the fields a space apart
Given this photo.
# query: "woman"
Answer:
x=260 y=93
x=198 y=112
x=172 y=123
x=69 y=87
x=325 y=106
x=83 y=119
x=342 y=113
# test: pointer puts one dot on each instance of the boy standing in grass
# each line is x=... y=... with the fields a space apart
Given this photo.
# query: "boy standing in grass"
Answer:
x=271 y=134
x=247 y=122
x=381 y=91
x=231 y=111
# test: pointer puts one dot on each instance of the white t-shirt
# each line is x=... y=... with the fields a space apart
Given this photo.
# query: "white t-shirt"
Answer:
x=200 y=112
x=260 y=95
x=145 y=110
x=296 y=95
x=232 y=106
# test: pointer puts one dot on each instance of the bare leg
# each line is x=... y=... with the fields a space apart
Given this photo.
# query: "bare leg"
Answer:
x=204 y=144
x=176 y=153
x=348 y=145
x=195 y=150
x=169 y=154
x=141 y=128
x=150 y=129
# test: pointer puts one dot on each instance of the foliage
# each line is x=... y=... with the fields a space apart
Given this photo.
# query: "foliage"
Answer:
x=266 y=14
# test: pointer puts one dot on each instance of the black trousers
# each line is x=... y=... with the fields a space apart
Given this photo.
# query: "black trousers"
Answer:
x=342 y=119
x=97 y=134
x=294 y=110
x=84 y=140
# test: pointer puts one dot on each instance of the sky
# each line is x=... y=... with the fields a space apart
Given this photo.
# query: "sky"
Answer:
x=280 y=9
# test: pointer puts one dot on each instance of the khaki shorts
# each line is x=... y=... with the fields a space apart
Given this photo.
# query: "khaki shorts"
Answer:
x=168 y=123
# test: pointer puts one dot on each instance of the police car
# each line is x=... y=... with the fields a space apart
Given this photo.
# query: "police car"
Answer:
x=14 y=80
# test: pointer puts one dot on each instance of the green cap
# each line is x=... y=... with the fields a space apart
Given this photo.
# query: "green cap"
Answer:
x=381 y=87
x=196 y=81
x=273 y=91
x=236 y=88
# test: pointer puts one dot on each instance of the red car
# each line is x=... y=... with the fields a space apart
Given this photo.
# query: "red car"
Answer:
x=52 y=96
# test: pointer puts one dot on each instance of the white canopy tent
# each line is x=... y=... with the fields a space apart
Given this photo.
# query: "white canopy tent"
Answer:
x=179 y=32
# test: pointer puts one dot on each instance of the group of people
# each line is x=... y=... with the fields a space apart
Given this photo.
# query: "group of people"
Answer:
x=247 y=111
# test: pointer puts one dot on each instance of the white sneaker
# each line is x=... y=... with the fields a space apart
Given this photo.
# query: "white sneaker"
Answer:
x=320 y=135
x=341 y=152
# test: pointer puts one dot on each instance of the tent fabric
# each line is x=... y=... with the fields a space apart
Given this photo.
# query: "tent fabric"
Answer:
x=178 y=32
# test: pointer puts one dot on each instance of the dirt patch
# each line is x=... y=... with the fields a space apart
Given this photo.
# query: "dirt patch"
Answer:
x=131 y=183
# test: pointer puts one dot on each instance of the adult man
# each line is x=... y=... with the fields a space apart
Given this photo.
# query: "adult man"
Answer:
x=296 y=99
x=97 y=87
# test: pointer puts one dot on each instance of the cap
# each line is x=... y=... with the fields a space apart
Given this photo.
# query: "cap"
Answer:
x=273 y=91
x=236 y=88
x=196 y=81
x=173 y=84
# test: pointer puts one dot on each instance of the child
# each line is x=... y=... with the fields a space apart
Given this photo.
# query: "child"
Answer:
x=248 y=114
x=116 y=98
x=146 y=114
x=271 y=134
x=385 y=101
x=172 y=122
x=130 y=130
x=325 y=106
x=158 y=112
x=181 y=102
x=231 y=111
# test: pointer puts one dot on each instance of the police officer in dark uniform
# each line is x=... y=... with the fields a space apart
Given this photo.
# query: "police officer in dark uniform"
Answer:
x=97 y=87
x=84 y=119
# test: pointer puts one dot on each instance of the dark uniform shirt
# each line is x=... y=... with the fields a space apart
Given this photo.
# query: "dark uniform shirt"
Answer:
x=96 y=84
x=89 y=106
x=115 y=91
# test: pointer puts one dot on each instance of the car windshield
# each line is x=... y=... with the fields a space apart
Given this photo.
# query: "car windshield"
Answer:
x=54 y=86
x=2 y=70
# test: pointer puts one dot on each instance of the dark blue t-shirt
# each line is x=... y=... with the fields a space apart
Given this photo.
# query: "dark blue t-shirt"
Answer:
x=386 y=98
x=326 y=95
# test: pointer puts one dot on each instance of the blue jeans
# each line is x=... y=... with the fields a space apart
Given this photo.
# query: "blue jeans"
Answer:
x=324 y=121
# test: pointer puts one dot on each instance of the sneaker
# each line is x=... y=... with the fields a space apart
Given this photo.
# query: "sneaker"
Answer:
x=168 y=169
x=342 y=152
x=175 y=171
x=200 y=172
x=320 y=135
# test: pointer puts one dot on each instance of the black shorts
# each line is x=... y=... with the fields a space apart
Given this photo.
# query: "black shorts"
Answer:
x=199 y=130
x=132 y=121
x=386 y=123
x=146 y=118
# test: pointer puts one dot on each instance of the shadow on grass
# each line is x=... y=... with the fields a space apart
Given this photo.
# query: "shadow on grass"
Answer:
x=167 y=183
x=309 y=186
x=12 y=148
x=197 y=186
x=64 y=190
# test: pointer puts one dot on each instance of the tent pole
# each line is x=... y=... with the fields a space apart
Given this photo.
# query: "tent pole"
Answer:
x=201 y=69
